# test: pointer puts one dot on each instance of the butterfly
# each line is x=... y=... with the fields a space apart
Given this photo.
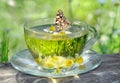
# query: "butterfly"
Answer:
x=61 y=22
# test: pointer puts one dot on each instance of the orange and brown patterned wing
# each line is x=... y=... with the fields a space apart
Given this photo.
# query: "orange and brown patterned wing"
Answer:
x=61 y=22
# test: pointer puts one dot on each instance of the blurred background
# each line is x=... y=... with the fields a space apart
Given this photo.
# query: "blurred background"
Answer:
x=103 y=14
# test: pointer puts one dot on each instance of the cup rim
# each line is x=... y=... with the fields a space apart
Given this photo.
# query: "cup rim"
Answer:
x=74 y=21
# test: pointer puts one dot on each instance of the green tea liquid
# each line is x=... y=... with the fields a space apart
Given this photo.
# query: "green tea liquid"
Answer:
x=53 y=50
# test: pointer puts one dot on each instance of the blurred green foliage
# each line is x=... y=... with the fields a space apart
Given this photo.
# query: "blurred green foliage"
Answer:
x=4 y=46
x=103 y=14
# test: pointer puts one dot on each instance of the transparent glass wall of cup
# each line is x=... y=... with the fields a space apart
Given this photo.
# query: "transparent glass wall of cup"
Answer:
x=58 y=52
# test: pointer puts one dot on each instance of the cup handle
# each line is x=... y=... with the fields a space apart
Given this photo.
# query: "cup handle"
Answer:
x=92 y=37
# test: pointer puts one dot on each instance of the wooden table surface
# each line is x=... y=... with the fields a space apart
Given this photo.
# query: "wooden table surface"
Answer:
x=107 y=72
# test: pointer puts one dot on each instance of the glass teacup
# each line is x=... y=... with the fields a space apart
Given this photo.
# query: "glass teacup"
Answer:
x=61 y=52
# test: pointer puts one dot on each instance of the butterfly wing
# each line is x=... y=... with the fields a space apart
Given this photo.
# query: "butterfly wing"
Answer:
x=61 y=22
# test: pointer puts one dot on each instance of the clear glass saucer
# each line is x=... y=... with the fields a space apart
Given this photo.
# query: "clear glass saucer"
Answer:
x=24 y=62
